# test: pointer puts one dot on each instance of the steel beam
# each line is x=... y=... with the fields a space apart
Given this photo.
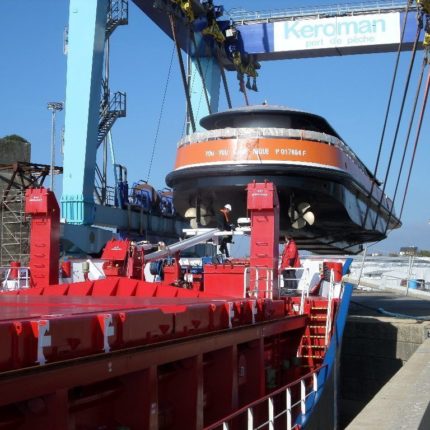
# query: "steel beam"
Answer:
x=19 y=385
x=87 y=27
x=209 y=78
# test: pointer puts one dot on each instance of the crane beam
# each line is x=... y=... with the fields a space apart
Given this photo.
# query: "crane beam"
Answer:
x=327 y=36
x=87 y=27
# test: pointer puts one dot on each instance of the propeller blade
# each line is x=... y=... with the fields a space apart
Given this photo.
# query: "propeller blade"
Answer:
x=190 y=213
x=298 y=223
x=205 y=220
x=293 y=215
x=309 y=217
x=303 y=207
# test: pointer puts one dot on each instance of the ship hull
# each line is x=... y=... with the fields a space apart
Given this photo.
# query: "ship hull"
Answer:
x=299 y=152
x=121 y=352
x=338 y=201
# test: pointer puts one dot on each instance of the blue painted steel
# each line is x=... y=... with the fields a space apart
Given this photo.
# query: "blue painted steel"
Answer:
x=346 y=266
x=87 y=23
x=332 y=354
x=259 y=39
x=212 y=79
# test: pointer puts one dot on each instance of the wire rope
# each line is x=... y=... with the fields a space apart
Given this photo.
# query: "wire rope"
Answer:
x=399 y=120
x=387 y=112
x=201 y=93
x=417 y=136
x=224 y=79
x=420 y=81
x=163 y=101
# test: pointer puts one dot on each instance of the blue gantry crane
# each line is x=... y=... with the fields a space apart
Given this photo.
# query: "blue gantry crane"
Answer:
x=214 y=43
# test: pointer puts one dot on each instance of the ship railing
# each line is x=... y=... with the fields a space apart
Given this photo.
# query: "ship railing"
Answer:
x=262 y=275
x=105 y=195
x=296 y=283
x=304 y=295
x=14 y=278
x=281 y=407
x=329 y=308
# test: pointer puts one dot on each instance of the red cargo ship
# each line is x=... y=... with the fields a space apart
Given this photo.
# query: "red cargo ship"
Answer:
x=225 y=349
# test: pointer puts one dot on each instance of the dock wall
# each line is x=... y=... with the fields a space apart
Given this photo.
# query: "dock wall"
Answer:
x=374 y=350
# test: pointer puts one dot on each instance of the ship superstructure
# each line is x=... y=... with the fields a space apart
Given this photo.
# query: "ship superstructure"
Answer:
x=323 y=186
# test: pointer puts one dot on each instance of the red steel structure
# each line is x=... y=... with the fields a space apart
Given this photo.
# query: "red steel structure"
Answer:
x=42 y=205
x=121 y=353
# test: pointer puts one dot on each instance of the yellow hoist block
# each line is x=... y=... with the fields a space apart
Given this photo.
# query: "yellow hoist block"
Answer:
x=425 y=4
x=426 y=42
x=214 y=31
x=250 y=69
x=186 y=8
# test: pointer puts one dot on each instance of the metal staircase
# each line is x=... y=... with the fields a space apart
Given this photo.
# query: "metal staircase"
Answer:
x=314 y=343
x=110 y=110
x=117 y=15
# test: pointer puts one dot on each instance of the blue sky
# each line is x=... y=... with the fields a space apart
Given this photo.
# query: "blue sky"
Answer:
x=351 y=92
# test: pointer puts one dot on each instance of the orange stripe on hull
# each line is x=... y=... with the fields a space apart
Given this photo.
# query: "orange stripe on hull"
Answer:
x=267 y=151
x=259 y=150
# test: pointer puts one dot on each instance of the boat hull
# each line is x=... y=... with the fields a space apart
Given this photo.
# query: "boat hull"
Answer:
x=303 y=156
x=337 y=200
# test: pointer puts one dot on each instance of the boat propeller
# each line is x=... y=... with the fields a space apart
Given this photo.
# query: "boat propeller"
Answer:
x=301 y=216
x=191 y=216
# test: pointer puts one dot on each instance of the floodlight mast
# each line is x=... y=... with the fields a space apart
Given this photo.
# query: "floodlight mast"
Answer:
x=54 y=107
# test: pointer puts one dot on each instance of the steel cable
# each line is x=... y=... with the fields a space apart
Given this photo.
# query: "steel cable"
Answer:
x=386 y=114
x=201 y=93
x=420 y=122
x=420 y=81
x=163 y=100
x=224 y=79
x=190 y=80
x=399 y=120
x=183 y=74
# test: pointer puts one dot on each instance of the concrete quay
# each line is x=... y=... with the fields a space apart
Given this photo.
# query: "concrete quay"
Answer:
x=385 y=362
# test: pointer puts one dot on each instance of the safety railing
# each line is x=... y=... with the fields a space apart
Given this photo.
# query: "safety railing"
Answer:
x=110 y=110
x=105 y=195
x=252 y=289
x=329 y=308
x=282 y=406
x=117 y=15
x=304 y=295
x=397 y=272
x=14 y=278
x=239 y=15
x=290 y=284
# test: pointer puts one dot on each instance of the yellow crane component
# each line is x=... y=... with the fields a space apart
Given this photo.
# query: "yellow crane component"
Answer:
x=214 y=31
x=249 y=69
x=424 y=5
x=186 y=7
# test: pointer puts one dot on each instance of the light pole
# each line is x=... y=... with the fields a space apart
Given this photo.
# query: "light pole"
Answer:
x=54 y=107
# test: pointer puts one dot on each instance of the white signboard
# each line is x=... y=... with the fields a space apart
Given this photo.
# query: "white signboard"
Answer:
x=337 y=32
